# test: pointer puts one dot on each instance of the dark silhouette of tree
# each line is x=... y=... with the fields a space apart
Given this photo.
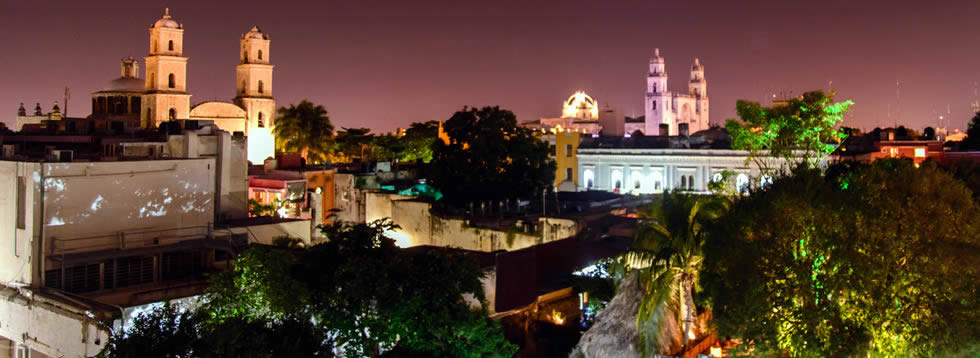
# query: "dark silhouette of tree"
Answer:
x=929 y=133
x=306 y=129
x=490 y=158
x=972 y=141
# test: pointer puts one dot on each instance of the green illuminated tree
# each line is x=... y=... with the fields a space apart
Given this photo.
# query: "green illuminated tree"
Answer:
x=667 y=256
x=304 y=128
x=490 y=158
x=367 y=293
x=878 y=259
x=803 y=130
x=353 y=144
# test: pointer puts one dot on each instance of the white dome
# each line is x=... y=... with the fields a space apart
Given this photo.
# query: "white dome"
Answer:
x=166 y=21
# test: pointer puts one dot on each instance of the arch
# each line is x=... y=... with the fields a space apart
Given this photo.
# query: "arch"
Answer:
x=742 y=183
x=260 y=54
x=589 y=177
x=690 y=182
x=172 y=115
x=261 y=87
x=171 y=81
x=637 y=177
x=717 y=177
x=765 y=181
x=170 y=45
x=261 y=122
x=616 y=179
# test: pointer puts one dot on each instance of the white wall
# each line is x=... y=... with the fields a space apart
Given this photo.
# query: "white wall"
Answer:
x=88 y=205
x=50 y=330
x=16 y=243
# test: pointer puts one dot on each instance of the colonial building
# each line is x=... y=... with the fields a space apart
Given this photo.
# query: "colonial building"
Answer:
x=648 y=165
x=671 y=113
x=128 y=103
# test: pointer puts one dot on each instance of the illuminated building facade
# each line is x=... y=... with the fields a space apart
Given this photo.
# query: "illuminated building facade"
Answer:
x=670 y=113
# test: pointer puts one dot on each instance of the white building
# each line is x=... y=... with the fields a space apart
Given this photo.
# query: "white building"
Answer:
x=679 y=114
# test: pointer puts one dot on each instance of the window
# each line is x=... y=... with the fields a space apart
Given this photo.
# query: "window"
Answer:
x=655 y=91
x=690 y=182
x=568 y=150
x=683 y=182
x=617 y=179
x=589 y=177
x=765 y=181
x=173 y=114
x=261 y=123
x=171 y=81
x=243 y=86
x=654 y=104
x=920 y=152
x=153 y=48
x=568 y=173
x=717 y=177
x=260 y=54
x=170 y=46
x=260 y=86
x=893 y=152
x=153 y=80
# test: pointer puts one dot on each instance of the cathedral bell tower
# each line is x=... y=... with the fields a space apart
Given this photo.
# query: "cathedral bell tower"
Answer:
x=658 y=99
x=698 y=88
x=254 y=82
x=166 y=95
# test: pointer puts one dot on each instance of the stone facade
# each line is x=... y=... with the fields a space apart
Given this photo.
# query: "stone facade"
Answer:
x=680 y=113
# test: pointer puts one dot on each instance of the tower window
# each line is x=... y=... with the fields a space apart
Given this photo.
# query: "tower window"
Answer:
x=261 y=87
x=260 y=54
x=243 y=86
x=568 y=150
x=654 y=88
x=171 y=82
x=170 y=46
x=654 y=104
x=261 y=123
x=173 y=114
x=153 y=48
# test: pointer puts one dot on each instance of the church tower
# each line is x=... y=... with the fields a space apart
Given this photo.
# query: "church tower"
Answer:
x=254 y=80
x=698 y=88
x=166 y=95
x=658 y=99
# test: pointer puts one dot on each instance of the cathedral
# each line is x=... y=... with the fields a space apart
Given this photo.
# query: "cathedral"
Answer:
x=675 y=113
x=162 y=95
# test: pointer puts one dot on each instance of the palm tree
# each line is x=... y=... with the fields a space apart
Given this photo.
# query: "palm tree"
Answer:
x=667 y=255
x=306 y=129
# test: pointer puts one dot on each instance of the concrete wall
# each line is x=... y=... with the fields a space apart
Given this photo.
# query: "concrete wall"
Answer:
x=97 y=205
x=265 y=233
x=419 y=227
x=18 y=187
x=49 y=330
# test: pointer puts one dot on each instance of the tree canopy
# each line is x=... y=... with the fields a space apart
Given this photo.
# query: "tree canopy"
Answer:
x=879 y=259
x=972 y=141
x=357 y=293
x=803 y=130
x=489 y=157
x=306 y=129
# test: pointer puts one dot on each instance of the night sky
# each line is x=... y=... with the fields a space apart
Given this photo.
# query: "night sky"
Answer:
x=385 y=64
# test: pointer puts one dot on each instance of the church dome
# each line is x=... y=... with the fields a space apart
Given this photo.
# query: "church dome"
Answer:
x=166 y=21
x=255 y=33
x=124 y=84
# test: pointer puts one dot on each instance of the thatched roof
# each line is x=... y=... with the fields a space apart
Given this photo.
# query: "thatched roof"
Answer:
x=614 y=333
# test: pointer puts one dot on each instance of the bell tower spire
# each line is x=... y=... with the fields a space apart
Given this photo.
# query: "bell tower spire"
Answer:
x=254 y=82
x=166 y=95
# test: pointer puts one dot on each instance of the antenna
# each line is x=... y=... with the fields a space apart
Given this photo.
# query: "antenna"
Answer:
x=67 y=97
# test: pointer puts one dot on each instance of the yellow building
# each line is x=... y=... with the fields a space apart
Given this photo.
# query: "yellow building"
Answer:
x=566 y=146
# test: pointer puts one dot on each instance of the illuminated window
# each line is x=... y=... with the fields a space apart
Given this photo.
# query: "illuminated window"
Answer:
x=742 y=183
x=171 y=81
x=717 y=177
x=920 y=152
x=568 y=150
x=893 y=152
x=617 y=179
x=170 y=46
x=765 y=181
x=589 y=177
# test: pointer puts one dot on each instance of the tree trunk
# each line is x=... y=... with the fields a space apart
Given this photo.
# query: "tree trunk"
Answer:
x=688 y=309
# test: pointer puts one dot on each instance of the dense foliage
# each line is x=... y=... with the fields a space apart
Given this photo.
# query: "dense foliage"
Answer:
x=801 y=131
x=972 y=141
x=357 y=293
x=304 y=128
x=490 y=158
x=879 y=259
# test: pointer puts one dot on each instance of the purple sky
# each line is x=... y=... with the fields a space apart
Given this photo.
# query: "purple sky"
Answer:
x=385 y=64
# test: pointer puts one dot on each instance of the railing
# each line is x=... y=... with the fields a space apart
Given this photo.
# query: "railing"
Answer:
x=128 y=239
